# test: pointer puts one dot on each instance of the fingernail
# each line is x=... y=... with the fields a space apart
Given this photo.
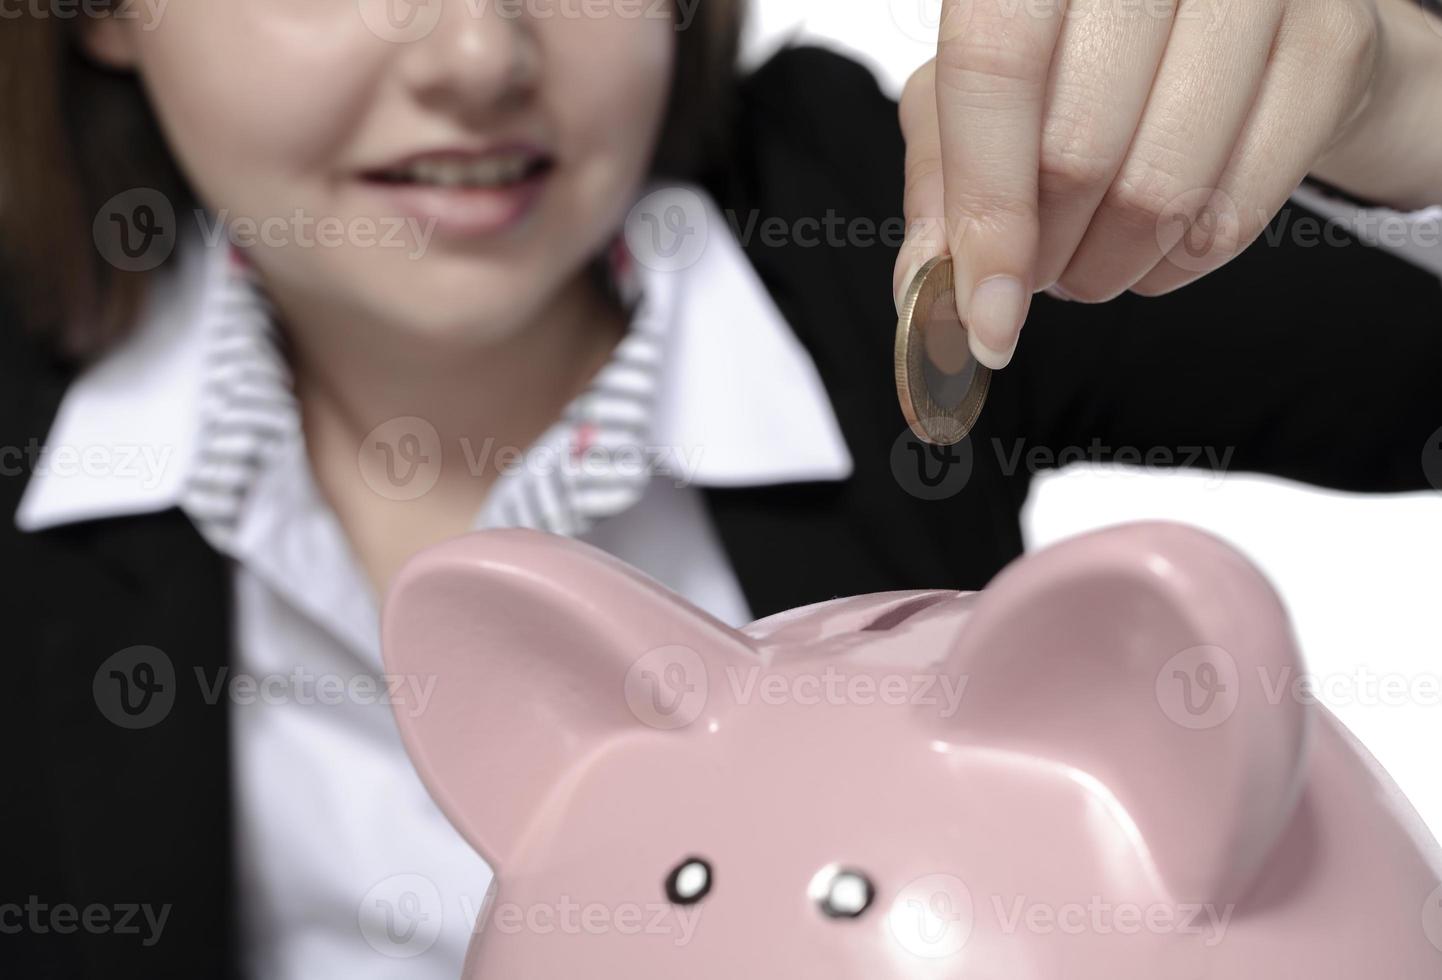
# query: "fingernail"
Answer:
x=1056 y=292
x=994 y=317
x=996 y=360
x=905 y=283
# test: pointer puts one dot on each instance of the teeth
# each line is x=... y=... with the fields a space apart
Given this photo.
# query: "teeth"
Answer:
x=490 y=172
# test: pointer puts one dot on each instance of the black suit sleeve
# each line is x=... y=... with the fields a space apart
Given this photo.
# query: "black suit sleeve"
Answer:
x=1316 y=362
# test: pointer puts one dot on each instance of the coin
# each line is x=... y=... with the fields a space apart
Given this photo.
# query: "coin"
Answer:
x=941 y=386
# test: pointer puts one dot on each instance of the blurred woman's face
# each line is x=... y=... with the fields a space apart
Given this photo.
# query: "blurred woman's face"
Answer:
x=444 y=165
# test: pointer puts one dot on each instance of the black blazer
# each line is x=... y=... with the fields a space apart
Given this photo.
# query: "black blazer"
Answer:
x=1261 y=363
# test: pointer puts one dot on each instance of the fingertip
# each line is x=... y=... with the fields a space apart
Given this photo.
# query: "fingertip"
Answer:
x=993 y=316
x=987 y=357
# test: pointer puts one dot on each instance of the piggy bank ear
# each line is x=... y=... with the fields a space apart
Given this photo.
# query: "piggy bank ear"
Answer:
x=514 y=655
x=1146 y=656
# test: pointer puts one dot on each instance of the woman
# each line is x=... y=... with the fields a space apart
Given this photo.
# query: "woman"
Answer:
x=292 y=288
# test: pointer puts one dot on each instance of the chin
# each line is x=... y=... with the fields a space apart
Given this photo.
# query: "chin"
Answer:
x=450 y=298
x=449 y=324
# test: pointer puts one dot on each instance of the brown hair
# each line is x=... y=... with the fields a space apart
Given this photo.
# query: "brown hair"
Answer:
x=74 y=134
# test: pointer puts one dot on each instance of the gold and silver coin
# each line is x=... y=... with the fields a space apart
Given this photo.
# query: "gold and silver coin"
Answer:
x=941 y=386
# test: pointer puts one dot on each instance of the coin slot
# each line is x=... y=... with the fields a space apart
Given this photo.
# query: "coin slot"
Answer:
x=897 y=615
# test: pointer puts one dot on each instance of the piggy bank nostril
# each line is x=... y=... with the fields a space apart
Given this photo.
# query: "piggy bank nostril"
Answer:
x=842 y=893
x=689 y=881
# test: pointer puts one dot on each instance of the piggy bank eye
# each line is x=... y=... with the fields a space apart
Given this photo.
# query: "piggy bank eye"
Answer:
x=689 y=881
x=842 y=893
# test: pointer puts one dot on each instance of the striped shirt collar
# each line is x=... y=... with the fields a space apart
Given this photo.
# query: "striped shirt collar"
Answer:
x=709 y=387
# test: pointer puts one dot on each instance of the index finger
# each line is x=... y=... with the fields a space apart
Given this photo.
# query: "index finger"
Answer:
x=992 y=61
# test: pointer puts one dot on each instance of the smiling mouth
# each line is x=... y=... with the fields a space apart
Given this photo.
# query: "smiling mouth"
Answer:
x=457 y=171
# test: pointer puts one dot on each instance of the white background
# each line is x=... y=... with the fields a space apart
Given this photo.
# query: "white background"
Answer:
x=1362 y=575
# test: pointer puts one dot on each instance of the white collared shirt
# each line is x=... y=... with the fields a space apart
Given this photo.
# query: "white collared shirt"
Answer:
x=347 y=868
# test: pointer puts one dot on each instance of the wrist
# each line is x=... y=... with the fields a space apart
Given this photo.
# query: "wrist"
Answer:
x=1391 y=151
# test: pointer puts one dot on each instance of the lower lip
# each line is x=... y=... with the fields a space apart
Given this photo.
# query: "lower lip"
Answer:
x=464 y=213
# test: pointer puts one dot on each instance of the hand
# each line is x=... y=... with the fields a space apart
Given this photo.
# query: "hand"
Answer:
x=1120 y=144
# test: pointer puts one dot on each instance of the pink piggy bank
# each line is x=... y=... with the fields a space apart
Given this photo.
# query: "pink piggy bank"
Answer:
x=1097 y=768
